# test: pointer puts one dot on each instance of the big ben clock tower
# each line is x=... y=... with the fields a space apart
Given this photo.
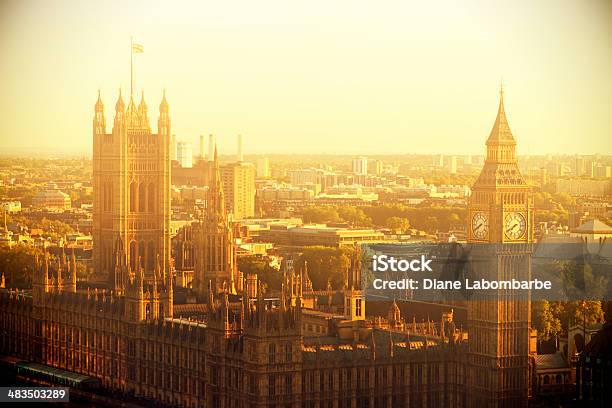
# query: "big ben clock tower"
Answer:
x=500 y=229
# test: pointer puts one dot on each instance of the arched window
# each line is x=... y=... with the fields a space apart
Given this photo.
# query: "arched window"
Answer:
x=558 y=379
x=546 y=380
x=271 y=353
x=288 y=353
x=151 y=199
x=141 y=254
x=142 y=197
x=133 y=195
x=133 y=255
x=151 y=256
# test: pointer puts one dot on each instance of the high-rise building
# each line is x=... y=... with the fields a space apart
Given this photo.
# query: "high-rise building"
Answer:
x=131 y=181
x=202 y=148
x=375 y=167
x=239 y=154
x=579 y=167
x=452 y=165
x=360 y=165
x=602 y=171
x=184 y=154
x=263 y=167
x=239 y=189
x=501 y=215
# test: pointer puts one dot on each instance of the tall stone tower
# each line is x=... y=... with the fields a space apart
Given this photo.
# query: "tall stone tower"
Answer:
x=500 y=218
x=214 y=250
x=131 y=181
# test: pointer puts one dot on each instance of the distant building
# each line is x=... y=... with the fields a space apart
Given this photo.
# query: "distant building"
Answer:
x=263 y=167
x=579 y=166
x=211 y=147
x=184 y=154
x=360 y=165
x=202 y=147
x=196 y=175
x=452 y=165
x=280 y=193
x=239 y=189
x=580 y=187
x=318 y=235
x=602 y=171
x=11 y=207
x=51 y=199
x=239 y=153
x=375 y=167
x=592 y=230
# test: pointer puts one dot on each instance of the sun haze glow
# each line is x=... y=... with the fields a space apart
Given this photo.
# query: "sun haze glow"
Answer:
x=314 y=76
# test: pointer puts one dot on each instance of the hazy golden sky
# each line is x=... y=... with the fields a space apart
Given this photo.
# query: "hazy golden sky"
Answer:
x=314 y=76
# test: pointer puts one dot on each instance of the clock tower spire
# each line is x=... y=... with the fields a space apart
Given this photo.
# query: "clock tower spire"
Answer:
x=500 y=229
x=501 y=206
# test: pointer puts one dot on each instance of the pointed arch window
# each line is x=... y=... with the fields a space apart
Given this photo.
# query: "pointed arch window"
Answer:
x=151 y=256
x=151 y=198
x=271 y=353
x=133 y=195
x=133 y=255
x=141 y=254
x=142 y=197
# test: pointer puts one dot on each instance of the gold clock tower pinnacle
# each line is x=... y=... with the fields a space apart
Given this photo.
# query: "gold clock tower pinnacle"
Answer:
x=501 y=206
x=500 y=229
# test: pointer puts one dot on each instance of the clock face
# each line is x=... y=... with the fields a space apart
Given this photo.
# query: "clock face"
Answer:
x=480 y=225
x=514 y=225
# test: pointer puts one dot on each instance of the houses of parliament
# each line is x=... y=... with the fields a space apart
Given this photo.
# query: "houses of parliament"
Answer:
x=236 y=346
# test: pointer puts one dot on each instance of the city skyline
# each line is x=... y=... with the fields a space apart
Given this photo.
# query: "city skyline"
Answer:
x=300 y=76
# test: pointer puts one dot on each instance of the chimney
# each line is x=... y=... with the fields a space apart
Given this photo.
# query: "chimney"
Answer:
x=211 y=147
x=239 y=157
x=202 y=147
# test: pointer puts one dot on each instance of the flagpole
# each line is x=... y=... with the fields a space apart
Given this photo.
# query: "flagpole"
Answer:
x=131 y=66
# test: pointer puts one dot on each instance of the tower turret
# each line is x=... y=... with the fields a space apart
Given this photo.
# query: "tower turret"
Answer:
x=163 y=124
x=119 y=110
x=143 y=110
x=99 y=121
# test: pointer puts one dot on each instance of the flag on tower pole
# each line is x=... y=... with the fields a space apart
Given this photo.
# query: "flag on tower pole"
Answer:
x=134 y=49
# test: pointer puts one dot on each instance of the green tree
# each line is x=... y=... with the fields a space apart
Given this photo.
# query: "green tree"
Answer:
x=325 y=264
x=354 y=216
x=18 y=264
x=398 y=224
x=431 y=225
x=579 y=311
x=320 y=215
x=260 y=266
x=546 y=319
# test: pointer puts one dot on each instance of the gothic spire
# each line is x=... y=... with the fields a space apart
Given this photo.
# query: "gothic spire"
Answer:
x=218 y=199
x=142 y=107
x=120 y=105
x=163 y=106
x=99 y=105
x=131 y=108
x=501 y=133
